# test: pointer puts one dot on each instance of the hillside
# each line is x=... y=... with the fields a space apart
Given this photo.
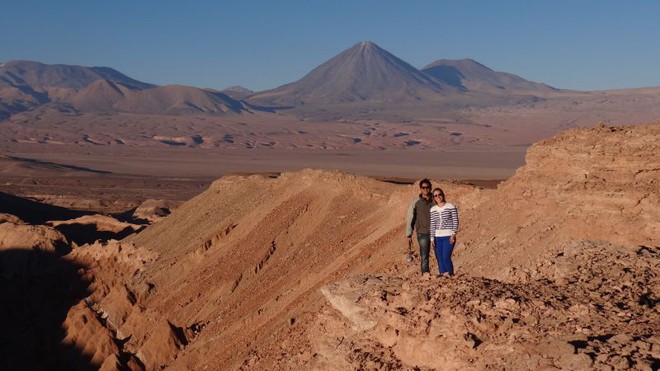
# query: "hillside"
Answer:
x=582 y=184
x=307 y=270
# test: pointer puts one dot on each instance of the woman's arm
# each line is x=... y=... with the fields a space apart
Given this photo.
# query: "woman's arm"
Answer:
x=454 y=224
x=454 y=218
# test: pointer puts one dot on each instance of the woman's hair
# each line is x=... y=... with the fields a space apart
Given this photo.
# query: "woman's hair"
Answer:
x=435 y=190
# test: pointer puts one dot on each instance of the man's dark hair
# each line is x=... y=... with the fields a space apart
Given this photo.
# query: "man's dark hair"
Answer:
x=425 y=181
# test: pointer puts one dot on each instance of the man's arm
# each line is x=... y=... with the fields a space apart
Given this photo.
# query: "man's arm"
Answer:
x=410 y=218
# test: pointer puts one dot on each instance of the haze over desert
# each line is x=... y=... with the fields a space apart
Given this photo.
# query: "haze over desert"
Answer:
x=226 y=186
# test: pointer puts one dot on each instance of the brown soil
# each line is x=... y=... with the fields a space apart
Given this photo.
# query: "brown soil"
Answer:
x=558 y=268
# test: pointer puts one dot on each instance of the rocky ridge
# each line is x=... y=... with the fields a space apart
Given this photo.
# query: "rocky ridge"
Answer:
x=582 y=184
x=307 y=270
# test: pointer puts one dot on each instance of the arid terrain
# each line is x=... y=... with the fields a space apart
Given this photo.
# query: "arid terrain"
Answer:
x=92 y=137
x=558 y=267
x=151 y=227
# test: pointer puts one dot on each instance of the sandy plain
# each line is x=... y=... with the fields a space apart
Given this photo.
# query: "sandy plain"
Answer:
x=115 y=160
x=115 y=177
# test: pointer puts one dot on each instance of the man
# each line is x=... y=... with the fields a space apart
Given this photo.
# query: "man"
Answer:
x=419 y=219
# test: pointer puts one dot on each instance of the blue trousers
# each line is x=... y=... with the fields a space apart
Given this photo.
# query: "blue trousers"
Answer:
x=424 y=241
x=443 y=250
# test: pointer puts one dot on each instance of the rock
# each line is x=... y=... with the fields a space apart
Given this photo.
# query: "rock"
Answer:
x=31 y=237
x=345 y=302
x=620 y=339
x=8 y=218
x=154 y=210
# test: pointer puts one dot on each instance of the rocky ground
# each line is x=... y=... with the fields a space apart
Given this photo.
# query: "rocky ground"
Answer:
x=558 y=269
x=577 y=317
x=589 y=184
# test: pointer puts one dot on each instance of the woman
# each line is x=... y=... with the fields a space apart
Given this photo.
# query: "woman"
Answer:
x=444 y=225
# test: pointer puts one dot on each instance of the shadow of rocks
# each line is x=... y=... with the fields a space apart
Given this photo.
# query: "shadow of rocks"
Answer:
x=128 y=216
x=35 y=212
x=37 y=290
x=88 y=233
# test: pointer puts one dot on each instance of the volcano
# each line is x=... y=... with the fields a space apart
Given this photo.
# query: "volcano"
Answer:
x=364 y=72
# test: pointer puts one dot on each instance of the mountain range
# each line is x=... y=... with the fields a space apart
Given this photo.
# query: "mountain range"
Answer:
x=26 y=85
x=470 y=75
x=362 y=74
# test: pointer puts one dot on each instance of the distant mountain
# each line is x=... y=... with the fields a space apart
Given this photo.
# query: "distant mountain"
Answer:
x=238 y=92
x=364 y=72
x=107 y=96
x=176 y=99
x=238 y=89
x=361 y=80
x=27 y=85
x=40 y=76
x=470 y=75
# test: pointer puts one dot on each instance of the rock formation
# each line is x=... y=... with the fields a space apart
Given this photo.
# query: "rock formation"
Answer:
x=557 y=268
x=587 y=184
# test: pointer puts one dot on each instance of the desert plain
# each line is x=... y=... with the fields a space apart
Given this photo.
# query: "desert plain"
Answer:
x=146 y=227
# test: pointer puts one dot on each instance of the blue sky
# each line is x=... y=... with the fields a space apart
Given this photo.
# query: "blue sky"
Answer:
x=261 y=44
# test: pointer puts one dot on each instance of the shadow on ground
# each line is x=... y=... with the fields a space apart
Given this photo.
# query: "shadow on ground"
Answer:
x=35 y=212
x=37 y=289
x=88 y=233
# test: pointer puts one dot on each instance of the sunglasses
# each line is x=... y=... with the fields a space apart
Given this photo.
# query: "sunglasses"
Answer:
x=438 y=195
x=425 y=187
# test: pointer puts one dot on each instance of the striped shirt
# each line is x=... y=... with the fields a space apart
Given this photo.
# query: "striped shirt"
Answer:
x=444 y=220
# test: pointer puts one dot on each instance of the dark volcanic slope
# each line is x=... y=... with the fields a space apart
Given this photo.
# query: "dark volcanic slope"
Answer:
x=467 y=74
x=364 y=72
